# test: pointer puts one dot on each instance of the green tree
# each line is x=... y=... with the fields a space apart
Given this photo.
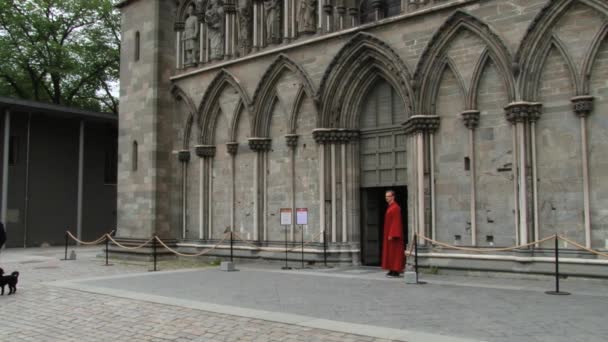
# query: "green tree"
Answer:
x=60 y=51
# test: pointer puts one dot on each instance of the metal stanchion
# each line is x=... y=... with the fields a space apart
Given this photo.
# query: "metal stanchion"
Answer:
x=302 y=231
x=107 y=249
x=557 y=291
x=231 y=248
x=65 y=258
x=154 y=252
x=324 y=248
x=286 y=267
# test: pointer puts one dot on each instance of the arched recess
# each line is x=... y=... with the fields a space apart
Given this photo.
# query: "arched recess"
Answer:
x=182 y=8
x=265 y=92
x=349 y=72
x=591 y=56
x=530 y=56
x=180 y=95
x=207 y=115
x=433 y=57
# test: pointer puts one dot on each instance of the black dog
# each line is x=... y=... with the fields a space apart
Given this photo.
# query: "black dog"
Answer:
x=10 y=280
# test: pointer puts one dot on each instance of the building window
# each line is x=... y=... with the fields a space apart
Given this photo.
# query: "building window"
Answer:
x=137 y=46
x=110 y=163
x=134 y=156
x=13 y=150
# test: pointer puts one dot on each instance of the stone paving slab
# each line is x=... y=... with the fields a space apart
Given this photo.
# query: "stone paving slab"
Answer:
x=90 y=302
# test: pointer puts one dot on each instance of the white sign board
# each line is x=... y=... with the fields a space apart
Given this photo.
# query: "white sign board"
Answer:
x=285 y=216
x=302 y=216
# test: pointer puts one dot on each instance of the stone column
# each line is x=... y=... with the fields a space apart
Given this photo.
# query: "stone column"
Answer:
x=261 y=146
x=328 y=9
x=184 y=159
x=341 y=10
x=421 y=126
x=378 y=6
x=206 y=197
x=203 y=48
x=258 y=24
x=292 y=143
x=353 y=13
x=321 y=137
x=534 y=116
x=583 y=106
x=7 y=136
x=471 y=121
x=518 y=113
x=179 y=50
x=232 y=147
x=230 y=34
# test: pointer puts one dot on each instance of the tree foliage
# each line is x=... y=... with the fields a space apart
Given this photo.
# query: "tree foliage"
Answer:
x=60 y=51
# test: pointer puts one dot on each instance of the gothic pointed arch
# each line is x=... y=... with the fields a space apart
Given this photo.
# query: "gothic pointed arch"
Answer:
x=265 y=90
x=345 y=79
x=433 y=55
x=208 y=108
x=180 y=95
x=446 y=64
x=530 y=56
x=554 y=43
x=591 y=56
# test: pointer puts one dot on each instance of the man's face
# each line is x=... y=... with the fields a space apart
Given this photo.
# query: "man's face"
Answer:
x=390 y=197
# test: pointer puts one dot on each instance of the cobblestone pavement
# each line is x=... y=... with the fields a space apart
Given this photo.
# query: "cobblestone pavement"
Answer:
x=82 y=300
x=39 y=312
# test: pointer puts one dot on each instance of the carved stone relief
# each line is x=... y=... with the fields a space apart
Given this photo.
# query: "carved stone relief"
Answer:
x=245 y=23
x=307 y=17
x=214 y=17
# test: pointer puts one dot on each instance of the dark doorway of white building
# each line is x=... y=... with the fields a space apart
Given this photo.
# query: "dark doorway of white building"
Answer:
x=373 y=207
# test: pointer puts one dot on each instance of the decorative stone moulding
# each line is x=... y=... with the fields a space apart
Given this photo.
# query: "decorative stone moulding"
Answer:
x=519 y=111
x=232 y=147
x=259 y=144
x=470 y=118
x=179 y=26
x=582 y=105
x=421 y=124
x=334 y=135
x=535 y=111
x=205 y=150
x=229 y=7
x=292 y=140
x=183 y=156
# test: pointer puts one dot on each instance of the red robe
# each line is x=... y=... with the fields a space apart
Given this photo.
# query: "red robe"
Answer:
x=392 y=250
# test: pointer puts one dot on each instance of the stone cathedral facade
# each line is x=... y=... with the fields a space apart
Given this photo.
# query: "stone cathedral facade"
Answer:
x=489 y=119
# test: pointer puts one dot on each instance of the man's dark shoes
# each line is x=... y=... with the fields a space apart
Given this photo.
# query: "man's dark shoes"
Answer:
x=392 y=274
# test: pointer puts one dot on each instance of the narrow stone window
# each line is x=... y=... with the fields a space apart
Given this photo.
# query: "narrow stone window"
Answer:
x=467 y=164
x=137 y=46
x=111 y=158
x=134 y=156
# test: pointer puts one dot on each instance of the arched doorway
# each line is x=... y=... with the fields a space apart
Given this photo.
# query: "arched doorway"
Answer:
x=382 y=163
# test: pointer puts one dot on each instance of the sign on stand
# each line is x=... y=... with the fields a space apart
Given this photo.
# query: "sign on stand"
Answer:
x=302 y=216
x=285 y=216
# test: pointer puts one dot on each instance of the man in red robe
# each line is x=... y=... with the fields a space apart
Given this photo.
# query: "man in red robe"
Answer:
x=392 y=249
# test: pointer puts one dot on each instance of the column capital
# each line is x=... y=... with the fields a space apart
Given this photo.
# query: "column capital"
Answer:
x=229 y=7
x=259 y=144
x=582 y=105
x=334 y=135
x=377 y=4
x=470 y=118
x=205 y=150
x=183 y=156
x=292 y=140
x=535 y=111
x=179 y=26
x=328 y=8
x=519 y=111
x=421 y=124
x=232 y=147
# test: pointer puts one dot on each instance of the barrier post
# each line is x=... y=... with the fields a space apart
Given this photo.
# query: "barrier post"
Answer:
x=416 y=256
x=324 y=248
x=302 y=231
x=286 y=267
x=107 y=249
x=557 y=291
x=231 y=247
x=154 y=251
x=65 y=257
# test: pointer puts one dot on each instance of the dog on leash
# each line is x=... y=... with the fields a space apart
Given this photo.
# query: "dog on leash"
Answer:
x=10 y=280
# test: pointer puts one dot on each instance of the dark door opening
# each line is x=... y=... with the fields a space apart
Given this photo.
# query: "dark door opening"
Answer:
x=373 y=207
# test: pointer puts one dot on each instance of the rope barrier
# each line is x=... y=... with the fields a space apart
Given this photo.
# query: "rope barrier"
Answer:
x=301 y=246
x=274 y=249
x=191 y=255
x=485 y=250
x=582 y=247
x=102 y=238
x=129 y=248
x=238 y=236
